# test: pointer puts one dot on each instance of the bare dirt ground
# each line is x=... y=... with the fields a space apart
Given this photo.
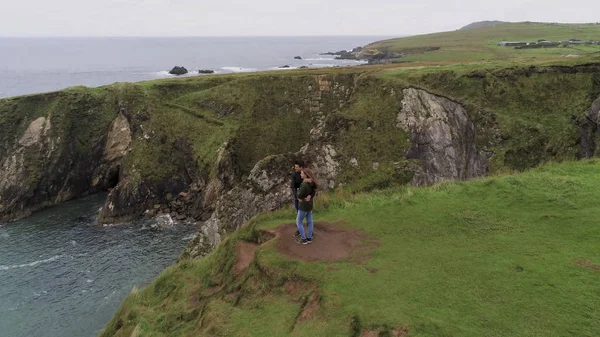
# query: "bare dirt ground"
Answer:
x=244 y=254
x=331 y=242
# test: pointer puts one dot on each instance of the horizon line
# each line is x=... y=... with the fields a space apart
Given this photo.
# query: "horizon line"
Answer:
x=188 y=36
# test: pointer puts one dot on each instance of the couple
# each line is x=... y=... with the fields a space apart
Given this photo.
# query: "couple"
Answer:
x=304 y=188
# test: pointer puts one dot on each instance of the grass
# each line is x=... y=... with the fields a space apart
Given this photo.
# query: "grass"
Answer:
x=479 y=44
x=491 y=257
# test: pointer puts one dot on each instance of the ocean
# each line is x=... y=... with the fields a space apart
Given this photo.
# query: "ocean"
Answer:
x=63 y=275
x=34 y=65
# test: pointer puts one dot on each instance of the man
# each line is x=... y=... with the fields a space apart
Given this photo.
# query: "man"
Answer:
x=295 y=185
x=296 y=181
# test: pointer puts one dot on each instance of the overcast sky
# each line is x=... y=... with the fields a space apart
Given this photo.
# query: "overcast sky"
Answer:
x=273 y=17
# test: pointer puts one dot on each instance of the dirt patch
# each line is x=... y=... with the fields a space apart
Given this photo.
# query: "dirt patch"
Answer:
x=311 y=306
x=330 y=243
x=398 y=332
x=369 y=333
x=587 y=264
x=211 y=291
x=373 y=270
x=297 y=288
x=244 y=255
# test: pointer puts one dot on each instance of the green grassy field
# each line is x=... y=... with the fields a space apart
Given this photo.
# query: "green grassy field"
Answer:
x=509 y=255
x=479 y=44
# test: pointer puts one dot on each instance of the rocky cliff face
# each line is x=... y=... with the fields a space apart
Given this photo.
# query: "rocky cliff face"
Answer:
x=267 y=186
x=218 y=151
x=44 y=161
x=442 y=138
x=588 y=128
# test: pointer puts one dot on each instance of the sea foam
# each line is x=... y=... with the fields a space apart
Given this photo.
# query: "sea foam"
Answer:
x=32 y=264
x=239 y=69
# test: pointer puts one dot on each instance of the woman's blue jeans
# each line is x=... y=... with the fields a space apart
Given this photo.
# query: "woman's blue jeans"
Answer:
x=308 y=215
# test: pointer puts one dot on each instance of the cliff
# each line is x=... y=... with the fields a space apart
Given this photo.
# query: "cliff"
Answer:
x=509 y=255
x=219 y=149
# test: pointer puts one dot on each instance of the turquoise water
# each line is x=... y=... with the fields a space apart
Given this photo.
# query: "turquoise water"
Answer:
x=63 y=275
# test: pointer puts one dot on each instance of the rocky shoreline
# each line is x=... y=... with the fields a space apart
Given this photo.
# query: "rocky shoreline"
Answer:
x=352 y=55
x=375 y=56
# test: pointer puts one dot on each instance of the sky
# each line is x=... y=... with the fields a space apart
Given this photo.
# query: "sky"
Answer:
x=273 y=17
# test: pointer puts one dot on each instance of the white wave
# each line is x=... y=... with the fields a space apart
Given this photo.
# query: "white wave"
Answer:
x=320 y=59
x=190 y=237
x=280 y=68
x=323 y=65
x=32 y=264
x=38 y=294
x=165 y=74
x=239 y=69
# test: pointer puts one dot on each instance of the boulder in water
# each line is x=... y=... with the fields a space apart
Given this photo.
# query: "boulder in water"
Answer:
x=163 y=221
x=285 y=66
x=206 y=71
x=178 y=71
x=297 y=58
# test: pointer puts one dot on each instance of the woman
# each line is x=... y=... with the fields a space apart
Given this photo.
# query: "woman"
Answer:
x=305 y=206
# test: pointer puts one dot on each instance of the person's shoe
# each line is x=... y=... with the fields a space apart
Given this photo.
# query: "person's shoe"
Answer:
x=297 y=234
x=309 y=240
x=302 y=241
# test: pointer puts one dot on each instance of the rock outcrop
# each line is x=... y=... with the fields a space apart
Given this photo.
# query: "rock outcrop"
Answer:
x=177 y=70
x=51 y=161
x=589 y=130
x=442 y=137
x=267 y=186
x=206 y=71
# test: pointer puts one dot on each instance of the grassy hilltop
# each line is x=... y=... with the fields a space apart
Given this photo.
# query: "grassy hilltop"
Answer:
x=512 y=255
x=479 y=44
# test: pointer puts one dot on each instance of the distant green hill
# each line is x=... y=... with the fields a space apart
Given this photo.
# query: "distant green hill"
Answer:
x=478 y=44
x=481 y=24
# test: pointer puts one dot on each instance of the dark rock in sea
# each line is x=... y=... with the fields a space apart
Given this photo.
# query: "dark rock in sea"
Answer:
x=303 y=67
x=178 y=71
x=206 y=71
x=347 y=55
x=297 y=58
x=285 y=66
